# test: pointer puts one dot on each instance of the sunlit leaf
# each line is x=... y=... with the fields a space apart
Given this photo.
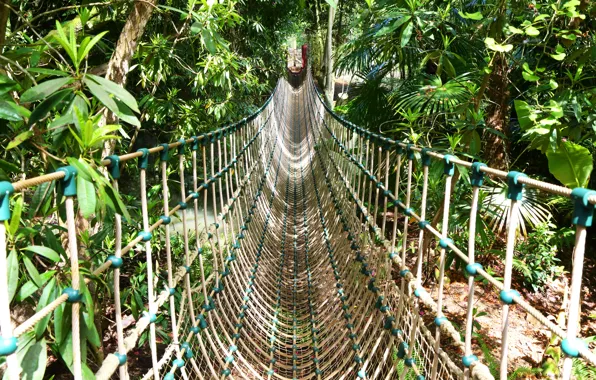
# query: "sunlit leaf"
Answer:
x=45 y=89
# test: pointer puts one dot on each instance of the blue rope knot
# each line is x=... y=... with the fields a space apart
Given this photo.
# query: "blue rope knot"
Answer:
x=444 y=243
x=408 y=211
x=172 y=291
x=389 y=322
x=401 y=350
x=116 y=262
x=145 y=235
x=358 y=359
x=8 y=345
x=362 y=374
x=426 y=159
x=226 y=372
x=403 y=272
x=573 y=346
x=183 y=205
x=396 y=332
x=468 y=360
x=419 y=292
x=121 y=358
x=114 y=166
x=583 y=211
x=477 y=176
x=194 y=330
x=449 y=168
x=143 y=158
x=409 y=362
x=73 y=295
x=472 y=269
x=194 y=195
x=440 y=320
x=507 y=296
x=152 y=317
x=423 y=224
x=165 y=219
x=514 y=188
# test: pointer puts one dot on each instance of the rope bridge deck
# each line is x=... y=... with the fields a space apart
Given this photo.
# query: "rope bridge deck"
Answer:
x=302 y=284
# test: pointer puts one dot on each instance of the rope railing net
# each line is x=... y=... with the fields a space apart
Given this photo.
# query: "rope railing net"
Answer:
x=303 y=276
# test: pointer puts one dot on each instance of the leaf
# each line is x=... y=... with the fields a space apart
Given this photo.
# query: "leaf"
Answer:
x=42 y=110
x=15 y=220
x=46 y=252
x=22 y=137
x=530 y=77
x=472 y=16
x=117 y=91
x=125 y=114
x=82 y=169
x=532 y=31
x=12 y=112
x=101 y=94
x=39 y=70
x=33 y=273
x=47 y=296
x=407 y=34
x=25 y=291
x=493 y=45
x=86 y=196
x=396 y=24
x=523 y=114
x=87 y=44
x=64 y=42
x=34 y=362
x=39 y=196
x=571 y=164
x=45 y=89
x=515 y=30
x=208 y=41
x=9 y=167
x=196 y=27
x=558 y=56
x=12 y=263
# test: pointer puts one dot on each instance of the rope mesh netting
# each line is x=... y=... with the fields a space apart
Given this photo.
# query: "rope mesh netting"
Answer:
x=309 y=275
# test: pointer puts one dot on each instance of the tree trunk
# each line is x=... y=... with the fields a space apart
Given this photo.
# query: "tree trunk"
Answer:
x=126 y=46
x=329 y=80
x=340 y=4
x=4 y=13
x=496 y=152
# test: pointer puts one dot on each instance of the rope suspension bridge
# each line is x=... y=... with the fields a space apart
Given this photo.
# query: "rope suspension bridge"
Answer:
x=310 y=278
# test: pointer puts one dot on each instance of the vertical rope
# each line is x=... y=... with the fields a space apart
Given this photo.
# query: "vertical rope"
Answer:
x=123 y=369
x=170 y=269
x=511 y=237
x=150 y=291
x=575 y=297
x=5 y=323
x=444 y=232
x=476 y=180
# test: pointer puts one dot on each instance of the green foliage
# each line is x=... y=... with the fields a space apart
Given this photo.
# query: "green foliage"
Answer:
x=438 y=63
x=538 y=254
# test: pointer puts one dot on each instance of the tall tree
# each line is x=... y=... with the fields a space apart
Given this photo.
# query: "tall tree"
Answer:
x=329 y=78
